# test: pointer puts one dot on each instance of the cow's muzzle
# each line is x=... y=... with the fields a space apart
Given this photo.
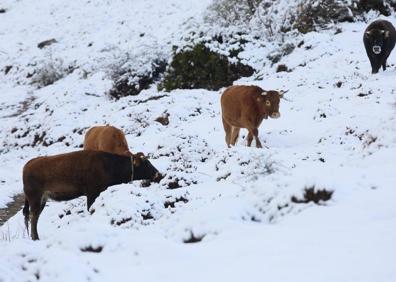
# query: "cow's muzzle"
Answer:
x=377 y=49
x=157 y=177
x=275 y=115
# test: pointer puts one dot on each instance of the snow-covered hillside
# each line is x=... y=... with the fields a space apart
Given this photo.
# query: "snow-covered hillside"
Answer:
x=220 y=214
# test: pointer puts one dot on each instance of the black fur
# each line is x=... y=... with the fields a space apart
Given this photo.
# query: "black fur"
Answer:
x=25 y=212
x=145 y=170
x=380 y=34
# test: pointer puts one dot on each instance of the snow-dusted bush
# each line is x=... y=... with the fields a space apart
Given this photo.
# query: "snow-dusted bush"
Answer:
x=200 y=67
x=133 y=72
x=232 y=12
x=384 y=7
x=314 y=13
x=319 y=13
x=48 y=72
x=267 y=17
x=278 y=16
x=131 y=82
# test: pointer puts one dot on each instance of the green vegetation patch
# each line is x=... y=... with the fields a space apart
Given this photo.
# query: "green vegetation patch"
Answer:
x=200 y=67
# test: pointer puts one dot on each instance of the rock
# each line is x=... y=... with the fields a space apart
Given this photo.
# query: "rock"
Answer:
x=46 y=43
x=7 y=69
x=282 y=68
x=164 y=119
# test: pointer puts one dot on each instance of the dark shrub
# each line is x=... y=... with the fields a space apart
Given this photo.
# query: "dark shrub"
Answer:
x=382 y=6
x=313 y=13
x=193 y=238
x=202 y=68
x=313 y=195
x=282 y=68
x=320 y=13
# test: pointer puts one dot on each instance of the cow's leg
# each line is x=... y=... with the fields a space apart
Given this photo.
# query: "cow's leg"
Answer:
x=255 y=134
x=374 y=64
x=384 y=61
x=44 y=199
x=234 y=135
x=92 y=195
x=227 y=129
x=249 y=138
x=26 y=213
x=35 y=207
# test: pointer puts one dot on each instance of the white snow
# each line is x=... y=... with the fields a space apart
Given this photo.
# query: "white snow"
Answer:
x=239 y=199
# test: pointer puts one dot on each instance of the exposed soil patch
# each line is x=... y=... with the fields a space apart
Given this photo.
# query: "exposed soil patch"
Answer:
x=91 y=249
x=12 y=208
x=193 y=238
x=120 y=222
x=151 y=99
x=24 y=106
x=164 y=119
x=313 y=195
x=171 y=204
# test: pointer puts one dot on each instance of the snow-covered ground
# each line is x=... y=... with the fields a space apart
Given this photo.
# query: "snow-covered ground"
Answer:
x=336 y=132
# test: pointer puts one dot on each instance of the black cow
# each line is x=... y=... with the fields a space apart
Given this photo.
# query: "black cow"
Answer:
x=379 y=40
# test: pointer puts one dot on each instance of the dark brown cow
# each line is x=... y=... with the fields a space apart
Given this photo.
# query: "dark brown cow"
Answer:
x=107 y=139
x=246 y=107
x=379 y=40
x=82 y=173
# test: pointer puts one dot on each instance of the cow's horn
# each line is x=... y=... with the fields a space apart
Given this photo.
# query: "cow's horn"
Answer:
x=282 y=93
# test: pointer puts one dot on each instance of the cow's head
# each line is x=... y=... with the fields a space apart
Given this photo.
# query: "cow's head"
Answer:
x=377 y=39
x=143 y=169
x=269 y=103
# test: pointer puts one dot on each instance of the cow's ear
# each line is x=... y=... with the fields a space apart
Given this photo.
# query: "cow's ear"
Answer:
x=261 y=97
x=282 y=93
x=137 y=159
x=387 y=33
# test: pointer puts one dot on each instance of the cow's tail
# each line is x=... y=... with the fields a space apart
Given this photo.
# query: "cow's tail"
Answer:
x=26 y=214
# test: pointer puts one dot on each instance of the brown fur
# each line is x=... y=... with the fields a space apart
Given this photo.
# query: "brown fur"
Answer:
x=68 y=176
x=107 y=139
x=246 y=107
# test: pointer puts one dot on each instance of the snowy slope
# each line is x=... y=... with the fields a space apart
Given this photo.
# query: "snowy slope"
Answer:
x=336 y=138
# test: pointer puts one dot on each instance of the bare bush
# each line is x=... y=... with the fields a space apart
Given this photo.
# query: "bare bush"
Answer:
x=133 y=72
x=274 y=17
x=48 y=72
x=232 y=12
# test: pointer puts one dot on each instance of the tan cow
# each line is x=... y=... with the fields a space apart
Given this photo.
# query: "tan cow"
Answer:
x=246 y=107
x=107 y=139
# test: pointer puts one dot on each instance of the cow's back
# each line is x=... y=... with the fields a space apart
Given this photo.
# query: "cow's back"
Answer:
x=107 y=139
x=69 y=167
